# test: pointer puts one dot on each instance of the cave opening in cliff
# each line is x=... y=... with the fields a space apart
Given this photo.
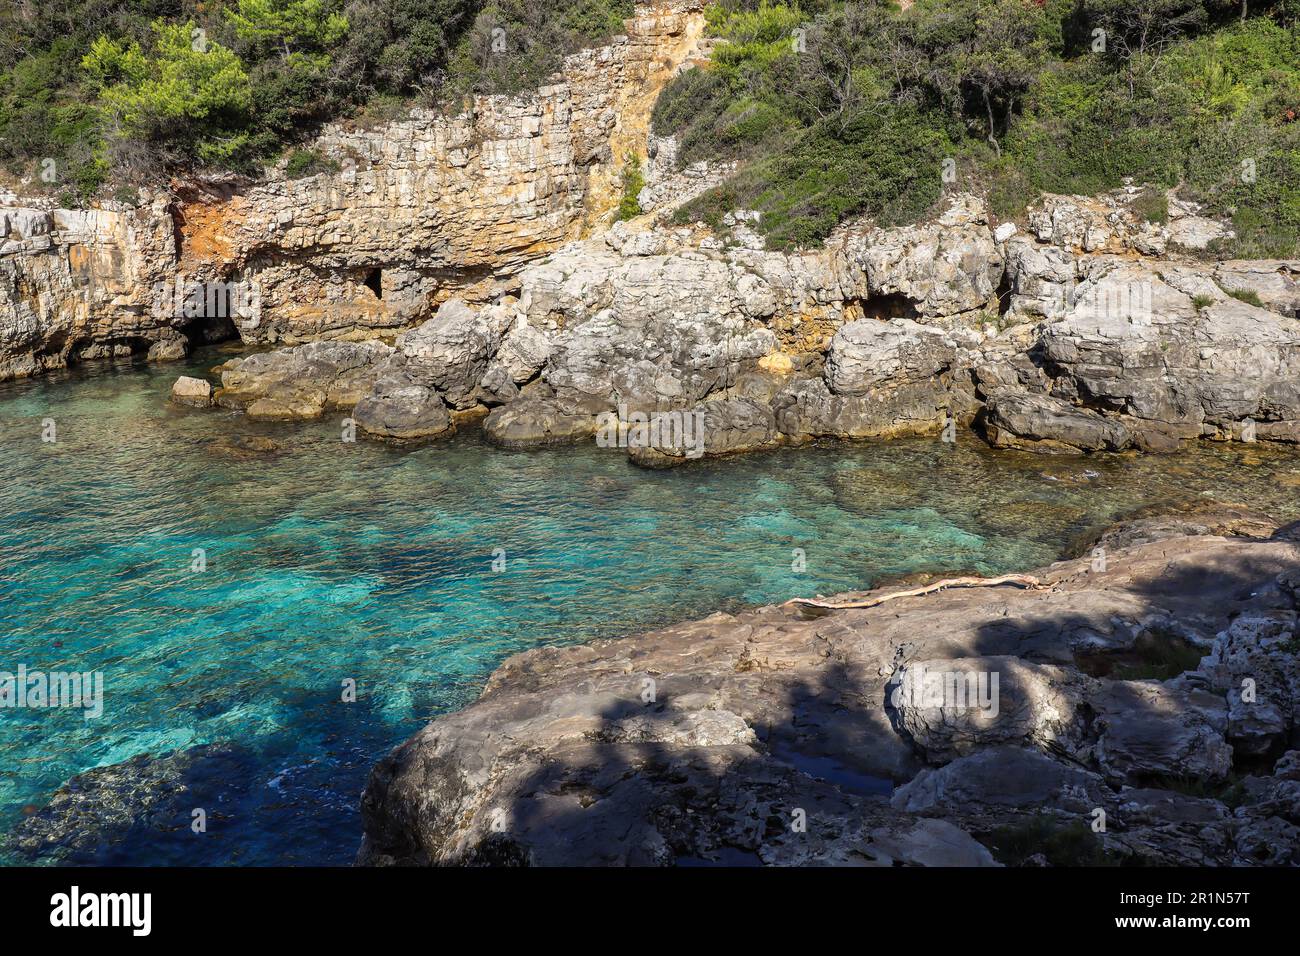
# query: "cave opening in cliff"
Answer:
x=893 y=305
x=374 y=281
x=206 y=330
x=210 y=310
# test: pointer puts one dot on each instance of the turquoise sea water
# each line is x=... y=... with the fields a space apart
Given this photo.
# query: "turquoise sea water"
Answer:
x=329 y=562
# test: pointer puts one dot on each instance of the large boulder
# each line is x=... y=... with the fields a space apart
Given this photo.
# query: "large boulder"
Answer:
x=948 y=708
x=869 y=355
x=808 y=408
x=450 y=352
x=1001 y=776
x=301 y=382
x=532 y=422
x=523 y=351
x=400 y=409
x=1043 y=423
x=192 y=391
x=1151 y=730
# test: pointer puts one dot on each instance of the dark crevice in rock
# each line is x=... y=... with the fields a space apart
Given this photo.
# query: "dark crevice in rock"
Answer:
x=1157 y=654
x=1003 y=293
x=208 y=331
x=892 y=305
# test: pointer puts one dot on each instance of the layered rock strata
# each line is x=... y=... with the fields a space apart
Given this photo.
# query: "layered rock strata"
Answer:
x=880 y=333
x=436 y=206
x=87 y=284
x=407 y=214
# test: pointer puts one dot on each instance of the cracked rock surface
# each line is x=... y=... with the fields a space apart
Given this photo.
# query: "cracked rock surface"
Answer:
x=715 y=740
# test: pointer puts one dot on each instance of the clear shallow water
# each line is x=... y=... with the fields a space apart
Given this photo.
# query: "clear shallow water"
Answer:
x=329 y=561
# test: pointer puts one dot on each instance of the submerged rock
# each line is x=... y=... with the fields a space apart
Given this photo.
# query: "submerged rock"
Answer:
x=714 y=429
x=531 y=422
x=100 y=813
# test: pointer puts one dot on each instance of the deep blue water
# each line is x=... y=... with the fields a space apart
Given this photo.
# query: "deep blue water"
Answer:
x=329 y=562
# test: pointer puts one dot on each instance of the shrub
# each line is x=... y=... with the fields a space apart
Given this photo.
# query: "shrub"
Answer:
x=1029 y=107
x=887 y=167
x=308 y=162
x=633 y=183
x=515 y=44
x=193 y=98
x=1060 y=843
x=1150 y=205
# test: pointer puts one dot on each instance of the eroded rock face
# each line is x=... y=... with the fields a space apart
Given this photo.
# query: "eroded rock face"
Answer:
x=695 y=743
x=438 y=206
x=83 y=284
x=1140 y=353
x=1095 y=353
x=869 y=355
x=942 y=269
x=456 y=241
x=418 y=211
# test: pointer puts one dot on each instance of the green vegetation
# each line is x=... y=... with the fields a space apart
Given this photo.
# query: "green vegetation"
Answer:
x=836 y=109
x=633 y=182
x=1059 y=843
x=1151 y=205
x=1249 y=296
x=99 y=93
x=307 y=162
x=182 y=91
x=1157 y=654
x=831 y=108
x=1230 y=792
x=1202 y=301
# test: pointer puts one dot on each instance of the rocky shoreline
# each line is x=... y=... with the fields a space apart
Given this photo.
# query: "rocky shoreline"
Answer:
x=1079 y=352
x=467 y=268
x=1144 y=712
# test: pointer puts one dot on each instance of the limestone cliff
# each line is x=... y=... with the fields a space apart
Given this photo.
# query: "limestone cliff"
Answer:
x=419 y=210
x=78 y=284
x=1035 y=340
x=435 y=206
